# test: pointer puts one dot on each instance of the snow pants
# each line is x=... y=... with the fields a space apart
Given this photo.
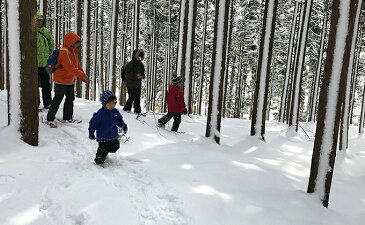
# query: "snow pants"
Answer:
x=106 y=147
x=134 y=96
x=68 y=107
x=177 y=120
x=45 y=80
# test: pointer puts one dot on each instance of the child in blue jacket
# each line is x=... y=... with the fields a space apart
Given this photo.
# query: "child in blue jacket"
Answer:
x=106 y=122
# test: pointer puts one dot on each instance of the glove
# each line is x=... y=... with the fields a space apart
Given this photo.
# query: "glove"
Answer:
x=92 y=136
x=123 y=129
x=84 y=80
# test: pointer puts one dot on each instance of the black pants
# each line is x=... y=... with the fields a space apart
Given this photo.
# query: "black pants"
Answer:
x=134 y=96
x=168 y=116
x=44 y=79
x=106 y=147
x=68 y=108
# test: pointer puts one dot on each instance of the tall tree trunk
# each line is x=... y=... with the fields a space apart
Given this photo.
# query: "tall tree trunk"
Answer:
x=294 y=109
x=135 y=40
x=23 y=66
x=263 y=70
x=202 y=58
x=2 y=71
x=228 y=57
x=86 y=46
x=361 y=124
x=218 y=65
x=288 y=64
x=183 y=36
x=189 y=66
x=331 y=98
x=79 y=16
x=113 y=47
x=345 y=117
x=123 y=50
x=313 y=107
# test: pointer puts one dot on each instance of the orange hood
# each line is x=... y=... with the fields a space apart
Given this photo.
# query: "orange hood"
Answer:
x=70 y=39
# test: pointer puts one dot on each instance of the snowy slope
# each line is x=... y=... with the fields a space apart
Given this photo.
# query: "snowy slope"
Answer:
x=163 y=178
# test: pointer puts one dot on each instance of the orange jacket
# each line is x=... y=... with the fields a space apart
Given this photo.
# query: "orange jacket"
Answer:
x=68 y=58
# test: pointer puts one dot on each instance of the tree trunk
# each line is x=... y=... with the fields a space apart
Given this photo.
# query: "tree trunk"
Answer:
x=228 y=57
x=78 y=31
x=23 y=66
x=345 y=117
x=361 y=124
x=331 y=98
x=113 y=47
x=202 y=66
x=218 y=64
x=297 y=82
x=2 y=71
x=288 y=64
x=135 y=40
x=313 y=109
x=263 y=70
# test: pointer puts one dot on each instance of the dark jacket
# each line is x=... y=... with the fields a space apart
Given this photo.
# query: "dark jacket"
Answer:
x=175 y=100
x=131 y=69
x=105 y=123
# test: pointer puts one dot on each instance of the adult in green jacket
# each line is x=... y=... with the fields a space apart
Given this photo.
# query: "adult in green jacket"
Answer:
x=132 y=75
x=45 y=46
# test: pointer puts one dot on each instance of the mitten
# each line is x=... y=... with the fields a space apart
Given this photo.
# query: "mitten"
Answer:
x=185 y=111
x=125 y=128
x=92 y=136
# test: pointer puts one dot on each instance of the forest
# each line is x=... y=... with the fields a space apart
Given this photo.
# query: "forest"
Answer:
x=296 y=62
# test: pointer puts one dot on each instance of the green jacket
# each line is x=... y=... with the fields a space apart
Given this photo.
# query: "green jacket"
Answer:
x=45 y=44
x=134 y=67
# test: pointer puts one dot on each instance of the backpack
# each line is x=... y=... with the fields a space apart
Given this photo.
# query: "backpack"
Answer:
x=52 y=61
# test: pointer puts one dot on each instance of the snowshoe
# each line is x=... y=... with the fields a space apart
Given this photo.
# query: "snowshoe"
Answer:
x=52 y=124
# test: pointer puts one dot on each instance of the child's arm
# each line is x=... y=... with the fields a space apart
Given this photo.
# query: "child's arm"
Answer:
x=120 y=123
x=94 y=124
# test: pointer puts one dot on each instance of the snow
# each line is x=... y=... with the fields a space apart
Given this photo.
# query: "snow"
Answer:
x=14 y=61
x=162 y=178
x=332 y=96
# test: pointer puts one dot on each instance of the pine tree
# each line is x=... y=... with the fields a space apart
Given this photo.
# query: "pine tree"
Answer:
x=331 y=98
x=263 y=72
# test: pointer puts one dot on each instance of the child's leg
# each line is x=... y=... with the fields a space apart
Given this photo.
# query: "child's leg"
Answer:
x=113 y=146
x=177 y=121
x=102 y=152
x=163 y=120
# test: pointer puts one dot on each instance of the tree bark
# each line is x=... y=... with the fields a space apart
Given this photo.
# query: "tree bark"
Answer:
x=331 y=98
x=217 y=78
x=263 y=70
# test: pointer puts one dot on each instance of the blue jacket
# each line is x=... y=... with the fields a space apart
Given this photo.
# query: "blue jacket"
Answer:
x=105 y=123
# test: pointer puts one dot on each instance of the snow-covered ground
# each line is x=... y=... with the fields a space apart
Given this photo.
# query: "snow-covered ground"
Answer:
x=163 y=178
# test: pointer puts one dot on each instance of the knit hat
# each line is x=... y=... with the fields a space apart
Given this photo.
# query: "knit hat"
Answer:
x=176 y=80
x=107 y=97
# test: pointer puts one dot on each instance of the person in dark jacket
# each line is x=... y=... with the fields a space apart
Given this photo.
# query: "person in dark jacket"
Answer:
x=132 y=74
x=175 y=104
x=107 y=122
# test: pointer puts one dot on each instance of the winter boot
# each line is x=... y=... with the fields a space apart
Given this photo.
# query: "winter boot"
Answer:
x=99 y=159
